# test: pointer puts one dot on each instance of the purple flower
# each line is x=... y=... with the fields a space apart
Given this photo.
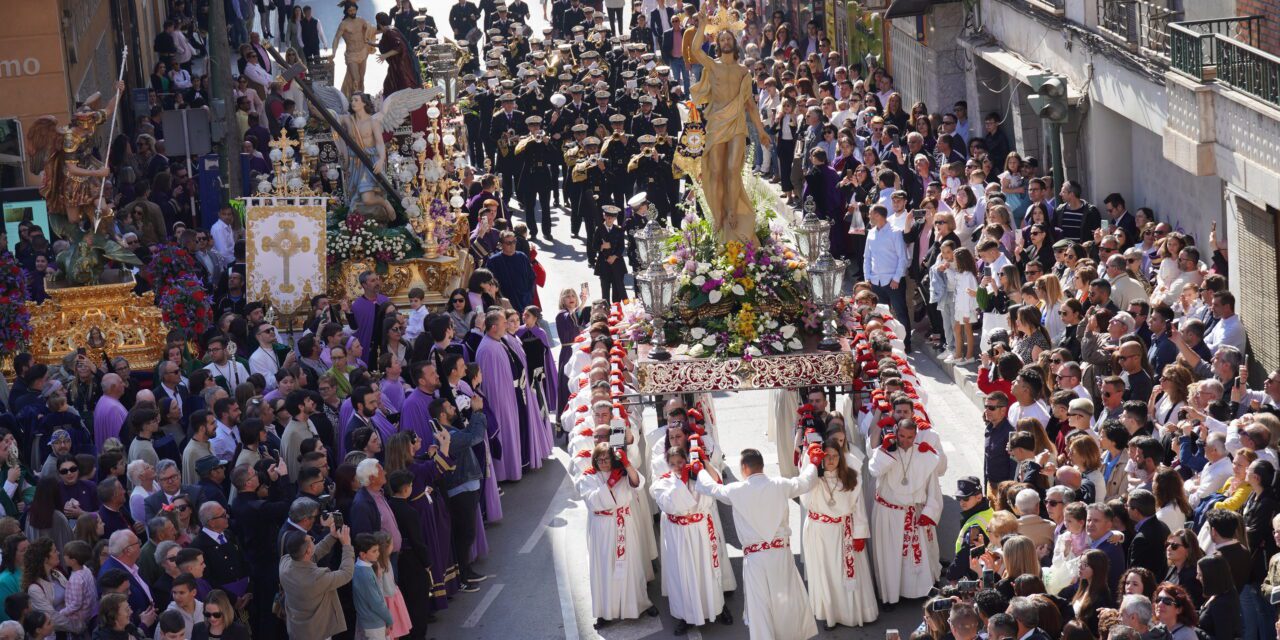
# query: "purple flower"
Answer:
x=711 y=285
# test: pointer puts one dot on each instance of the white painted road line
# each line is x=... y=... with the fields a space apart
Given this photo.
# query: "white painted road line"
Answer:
x=565 y=493
x=559 y=558
x=474 y=618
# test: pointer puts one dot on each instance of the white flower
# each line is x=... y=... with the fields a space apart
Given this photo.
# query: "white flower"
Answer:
x=703 y=268
x=777 y=346
x=714 y=296
x=709 y=341
x=697 y=333
x=738 y=290
x=788 y=331
x=795 y=344
x=772 y=324
x=754 y=351
x=699 y=281
x=717 y=274
x=797 y=275
x=696 y=351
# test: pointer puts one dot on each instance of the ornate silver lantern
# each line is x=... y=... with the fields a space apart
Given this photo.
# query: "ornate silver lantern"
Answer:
x=812 y=233
x=656 y=288
x=650 y=241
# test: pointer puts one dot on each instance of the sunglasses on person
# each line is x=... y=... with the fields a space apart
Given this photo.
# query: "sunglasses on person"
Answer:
x=216 y=615
x=1167 y=601
x=993 y=407
x=1174 y=545
x=1053 y=503
x=66 y=471
x=457 y=300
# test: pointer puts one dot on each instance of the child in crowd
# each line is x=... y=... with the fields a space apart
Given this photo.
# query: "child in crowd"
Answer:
x=965 y=311
x=373 y=618
x=417 y=314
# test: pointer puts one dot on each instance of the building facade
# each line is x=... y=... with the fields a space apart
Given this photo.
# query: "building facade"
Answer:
x=1176 y=106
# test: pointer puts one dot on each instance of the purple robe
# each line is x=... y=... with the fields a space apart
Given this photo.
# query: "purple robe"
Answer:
x=392 y=395
x=364 y=309
x=502 y=409
x=820 y=183
x=491 y=501
x=539 y=439
x=108 y=417
x=550 y=381
x=437 y=529
x=415 y=416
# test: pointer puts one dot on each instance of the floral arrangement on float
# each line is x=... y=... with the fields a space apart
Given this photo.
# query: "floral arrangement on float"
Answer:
x=350 y=236
x=736 y=300
x=15 y=320
x=180 y=294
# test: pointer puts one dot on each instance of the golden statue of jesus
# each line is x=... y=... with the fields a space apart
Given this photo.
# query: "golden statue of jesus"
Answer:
x=724 y=90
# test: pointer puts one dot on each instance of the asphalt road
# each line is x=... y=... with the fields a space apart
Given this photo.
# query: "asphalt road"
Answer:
x=540 y=586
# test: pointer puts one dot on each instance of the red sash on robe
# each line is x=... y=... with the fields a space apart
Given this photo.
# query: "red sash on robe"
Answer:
x=910 y=532
x=846 y=538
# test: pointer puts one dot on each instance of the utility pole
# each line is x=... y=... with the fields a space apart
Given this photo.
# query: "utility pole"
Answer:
x=220 y=87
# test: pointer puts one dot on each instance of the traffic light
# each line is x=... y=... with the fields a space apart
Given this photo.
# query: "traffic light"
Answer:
x=1050 y=97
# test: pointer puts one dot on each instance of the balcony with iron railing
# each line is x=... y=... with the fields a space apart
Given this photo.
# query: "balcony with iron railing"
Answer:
x=1138 y=25
x=1223 y=51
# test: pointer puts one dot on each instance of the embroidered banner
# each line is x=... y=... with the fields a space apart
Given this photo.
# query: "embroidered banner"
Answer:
x=285 y=251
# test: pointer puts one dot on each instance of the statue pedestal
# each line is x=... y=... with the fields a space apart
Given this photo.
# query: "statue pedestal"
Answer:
x=436 y=276
x=100 y=318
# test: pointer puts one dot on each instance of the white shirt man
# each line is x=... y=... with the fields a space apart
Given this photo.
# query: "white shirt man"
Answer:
x=1214 y=474
x=263 y=360
x=777 y=604
x=223 y=366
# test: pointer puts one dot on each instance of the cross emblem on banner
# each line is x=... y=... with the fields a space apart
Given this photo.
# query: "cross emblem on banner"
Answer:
x=286 y=244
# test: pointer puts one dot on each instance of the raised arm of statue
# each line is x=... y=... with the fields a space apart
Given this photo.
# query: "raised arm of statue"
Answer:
x=700 y=37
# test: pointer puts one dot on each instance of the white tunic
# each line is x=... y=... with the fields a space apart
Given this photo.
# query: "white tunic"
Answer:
x=782 y=425
x=777 y=604
x=906 y=554
x=616 y=554
x=693 y=551
x=840 y=581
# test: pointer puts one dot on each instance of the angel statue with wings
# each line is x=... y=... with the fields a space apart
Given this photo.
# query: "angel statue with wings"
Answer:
x=364 y=192
x=72 y=176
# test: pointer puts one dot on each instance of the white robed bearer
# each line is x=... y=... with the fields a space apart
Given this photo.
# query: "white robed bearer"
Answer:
x=610 y=489
x=777 y=604
x=904 y=518
x=693 y=551
x=835 y=542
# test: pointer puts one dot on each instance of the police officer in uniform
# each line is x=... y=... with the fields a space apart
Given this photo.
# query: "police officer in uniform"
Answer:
x=535 y=155
x=609 y=249
x=634 y=218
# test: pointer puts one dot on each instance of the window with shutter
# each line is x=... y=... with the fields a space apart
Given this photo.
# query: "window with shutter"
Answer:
x=1258 y=298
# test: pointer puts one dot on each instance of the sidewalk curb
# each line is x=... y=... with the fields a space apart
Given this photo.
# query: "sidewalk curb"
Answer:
x=965 y=377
